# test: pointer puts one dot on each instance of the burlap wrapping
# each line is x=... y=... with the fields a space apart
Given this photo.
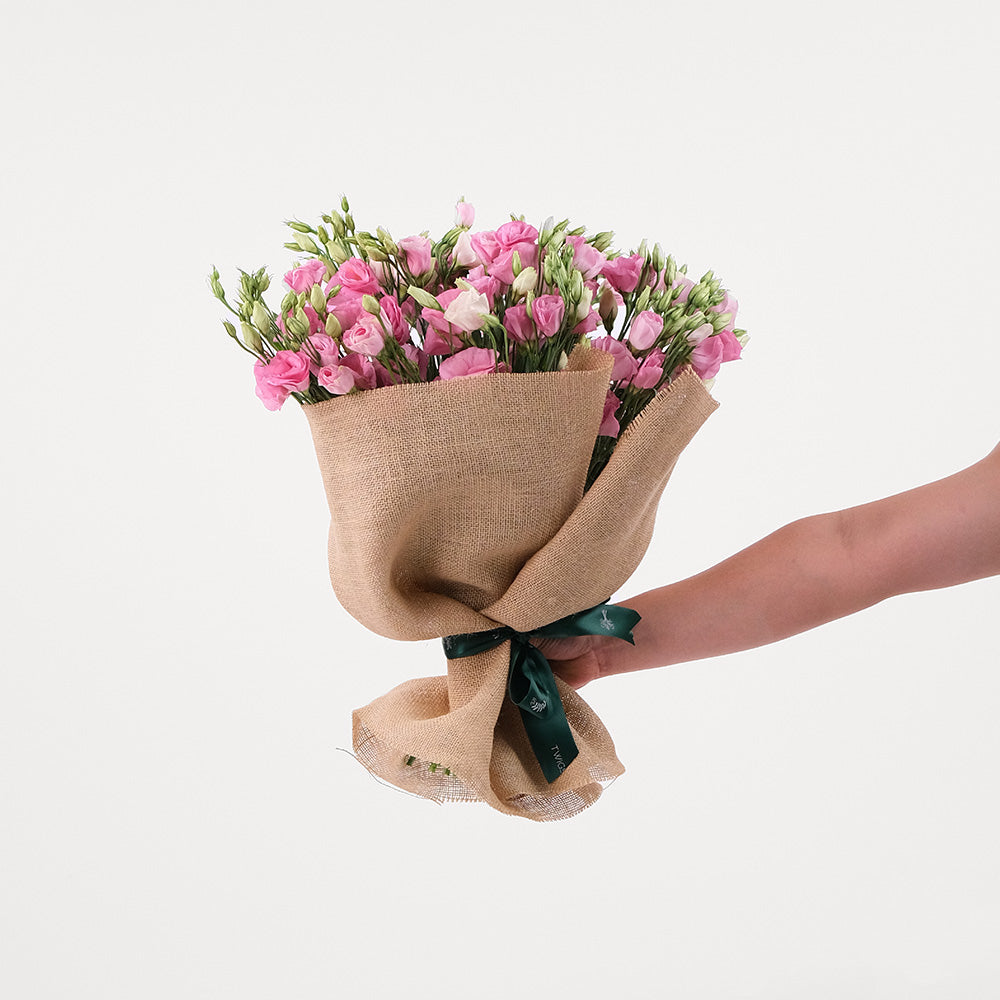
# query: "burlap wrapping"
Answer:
x=457 y=505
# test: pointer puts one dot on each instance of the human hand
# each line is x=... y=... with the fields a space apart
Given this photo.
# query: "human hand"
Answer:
x=577 y=660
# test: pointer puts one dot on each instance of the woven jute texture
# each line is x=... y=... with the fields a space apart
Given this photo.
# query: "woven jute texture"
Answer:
x=458 y=505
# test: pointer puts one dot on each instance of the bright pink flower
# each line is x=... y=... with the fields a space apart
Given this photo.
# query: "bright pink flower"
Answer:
x=366 y=336
x=510 y=234
x=609 y=425
x=364 y=370
x=518 y=323
x=625 y=364
x=586 y=258
x=471 y=361
x=286 y=372
x=548 y=312
x=707 y=357
x=338 y=379
x=346 y=306
x=485 y=244
x=356 y=275
x=650 y=372
x=623 y=272
x=418 y=253
x=440 y=342
x=489 y=286
x=502 y=266
x=303 y=277
x=645 y=328
x=587 y=325
x=731 y=347
x=464 y=214
x=393 y=317
x=327 y=349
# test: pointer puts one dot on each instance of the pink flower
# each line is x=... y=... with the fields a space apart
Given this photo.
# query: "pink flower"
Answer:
x=490 y=287
x=327 y=349
x=548 y=312
x=510 y=234
x=502 y=266
x=650 y=372
x=303 y=277
x=587 y=325
x=465 y=255
x=625 y=364
x=609 y=425
x=471 y=361
x=364 y=370
x=346 y=306
x=586 y=258
x=623 y=272
x=435 y=317
x=366 y=336
x=286 y=372
x=464 y=214
x=731 y=347
x=485 y=244
x=356 y=275
x=393 y=317
x=727 y=305
x=338 y=379
x=645 y=328
x=418 y=253
x=707 y=357
x=468 y=311
x=518 y=323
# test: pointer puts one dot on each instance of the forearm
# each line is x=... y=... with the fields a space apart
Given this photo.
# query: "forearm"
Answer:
x=822 y=568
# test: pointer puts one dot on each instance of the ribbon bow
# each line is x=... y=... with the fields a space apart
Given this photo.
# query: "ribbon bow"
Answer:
x=530 y=682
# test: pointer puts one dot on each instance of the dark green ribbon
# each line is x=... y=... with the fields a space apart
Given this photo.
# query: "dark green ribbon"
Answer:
x=530 y=682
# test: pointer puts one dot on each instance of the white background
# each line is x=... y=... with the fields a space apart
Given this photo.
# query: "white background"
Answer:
x=814 y=819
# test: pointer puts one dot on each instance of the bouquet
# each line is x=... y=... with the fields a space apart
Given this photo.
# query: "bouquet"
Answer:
x=495 y=414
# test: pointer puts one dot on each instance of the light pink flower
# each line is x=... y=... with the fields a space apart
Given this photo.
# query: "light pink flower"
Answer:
x=356 y=275
x=623 y=272
x=471 y=361
x=650 y=372
x=489 y=286
x=286 y=372
x=485 y=244
x=706 y=358
x=700 y=333
x=346 y=306
x=502 y=266
x=364 y=370
x=303 y=277
x=338 y=379
x=327 y=349
x=727 y=305
x=511 y=234
x=468 y=310
x=518 y=324
x=609 y=425
x=366 y=336
x=586 y=259
x=464 y=214
x=465 y=255
x=625 y=364
x=645 y=328
x=418 y=253
x=435 y=317
x=548 y=312
x=392 y=315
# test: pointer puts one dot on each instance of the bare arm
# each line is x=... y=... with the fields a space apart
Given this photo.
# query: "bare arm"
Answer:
x=810 y=572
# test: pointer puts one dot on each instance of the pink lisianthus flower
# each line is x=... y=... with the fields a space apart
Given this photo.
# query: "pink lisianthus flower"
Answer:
x=364 y=370
x=586 y=259
x=512 y=234
x=548 y=312
x=586 y=325
x=625 y=365
x=485 y=245
x=366 y=336
x=623 y=272
x=356 y=276
x=326 y=347
x=518 y=324
x=418 y=253
x=392 y=315
x=303 y=277
x=471 y=361
x=727 y=305
x=645 y=328
x=465 y=214
x=609 y=425
x=465 y=255
x=502 y=266
x=650 y=372
x=706 y=358
x=286 y=372
x=435 y=317
x=489 y=286
x=338 y=379
x=732 y=349
x=346 y=306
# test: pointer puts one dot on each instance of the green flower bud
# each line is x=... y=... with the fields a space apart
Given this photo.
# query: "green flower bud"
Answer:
x=602 y=241
x=516 y=263
x=333 y=327
x=669 y=272
x=607 y=307
x=370 y=305
x=343 y=203
x=252 y=338
x=299 y=227
x=643 y=300
x=230 y=329
x=297 y=325
x=424 y=298
x=289 y=302
x=658 y=260
x=306 y=243
x=317 y=298
x=524 y=282
x=576 y=285
x=261 y=317
x=349 y=221
x=324 y=236
x=387 y=241
x=338 y=253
